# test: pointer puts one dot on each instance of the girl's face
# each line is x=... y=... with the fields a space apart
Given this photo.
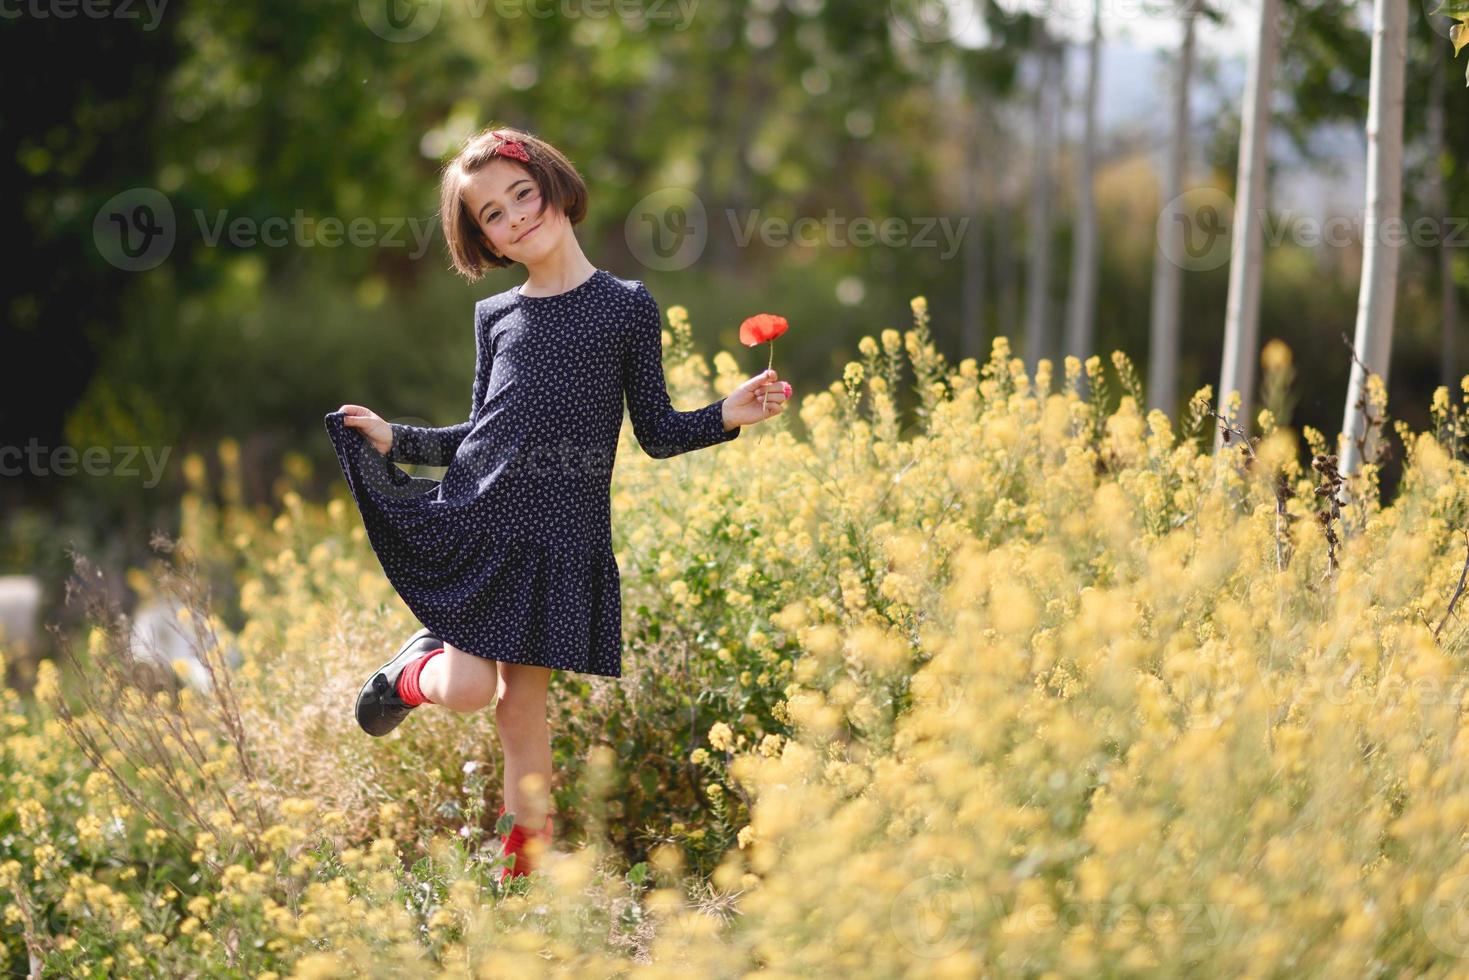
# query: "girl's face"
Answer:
x=505 y=201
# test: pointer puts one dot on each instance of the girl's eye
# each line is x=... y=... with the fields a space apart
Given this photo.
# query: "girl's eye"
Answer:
x=520 y=196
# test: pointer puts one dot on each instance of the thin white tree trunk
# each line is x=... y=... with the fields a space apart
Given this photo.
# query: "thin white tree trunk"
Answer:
x=1167 y=273
x=1438 y=202
x=1007 y=286
x=1382 y=230
x=1242 y=312
x=974 y=294
x=1038 y=272
x=1081 y=314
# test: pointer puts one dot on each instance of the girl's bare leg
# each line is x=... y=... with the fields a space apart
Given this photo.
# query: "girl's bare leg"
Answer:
x=520 y=713
x=459 y=681
x=462 y=682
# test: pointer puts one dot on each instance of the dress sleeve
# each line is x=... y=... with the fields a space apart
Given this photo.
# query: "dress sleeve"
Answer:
x=436 y=446
x=661 y=430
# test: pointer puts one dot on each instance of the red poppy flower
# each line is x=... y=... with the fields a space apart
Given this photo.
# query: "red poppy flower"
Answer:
x=762 y=327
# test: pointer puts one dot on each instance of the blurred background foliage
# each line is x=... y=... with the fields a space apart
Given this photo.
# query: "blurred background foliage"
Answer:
x=762 y=108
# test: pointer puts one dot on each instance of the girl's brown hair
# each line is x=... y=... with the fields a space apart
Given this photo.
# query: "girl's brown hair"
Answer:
x=559 y=183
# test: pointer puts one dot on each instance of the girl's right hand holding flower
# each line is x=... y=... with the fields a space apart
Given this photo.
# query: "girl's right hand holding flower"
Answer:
x=374 y=429
x=761 y=397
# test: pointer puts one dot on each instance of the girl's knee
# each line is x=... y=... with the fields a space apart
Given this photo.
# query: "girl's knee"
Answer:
x=466 y=697
x=462 y=682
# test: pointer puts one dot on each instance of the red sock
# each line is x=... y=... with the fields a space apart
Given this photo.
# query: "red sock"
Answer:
x=408 y=688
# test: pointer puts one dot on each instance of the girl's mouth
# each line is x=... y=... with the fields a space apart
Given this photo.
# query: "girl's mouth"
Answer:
x=528 y=232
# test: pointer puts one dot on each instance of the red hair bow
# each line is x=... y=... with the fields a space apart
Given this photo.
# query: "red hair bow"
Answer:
x=512 y=148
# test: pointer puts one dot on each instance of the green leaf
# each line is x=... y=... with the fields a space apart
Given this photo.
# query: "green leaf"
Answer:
x=1459 y=35
x=1457 y=9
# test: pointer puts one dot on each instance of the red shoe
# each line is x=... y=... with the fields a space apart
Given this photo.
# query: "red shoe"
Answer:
x=514 y=843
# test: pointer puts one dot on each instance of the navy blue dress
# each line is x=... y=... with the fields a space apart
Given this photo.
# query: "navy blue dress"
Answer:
x=509 y=555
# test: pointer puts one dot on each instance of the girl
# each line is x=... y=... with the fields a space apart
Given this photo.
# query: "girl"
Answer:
x=507 y=560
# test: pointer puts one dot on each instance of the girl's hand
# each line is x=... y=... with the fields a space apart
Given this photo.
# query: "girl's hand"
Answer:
x=758 y=399
x=374 y=429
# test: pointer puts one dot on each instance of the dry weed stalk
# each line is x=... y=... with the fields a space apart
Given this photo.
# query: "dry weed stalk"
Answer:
x=1458 y=590
x=1230 y=430
x=1330 y=488
x=170 y=751
x=1372 y=432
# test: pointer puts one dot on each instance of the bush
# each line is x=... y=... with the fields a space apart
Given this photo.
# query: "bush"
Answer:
x=1033 y=685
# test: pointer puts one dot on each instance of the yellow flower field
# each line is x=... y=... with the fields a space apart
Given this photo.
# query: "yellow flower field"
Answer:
x=982 y=676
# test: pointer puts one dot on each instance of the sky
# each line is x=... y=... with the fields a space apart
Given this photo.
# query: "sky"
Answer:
x=1137 y=53
x=1139 y=41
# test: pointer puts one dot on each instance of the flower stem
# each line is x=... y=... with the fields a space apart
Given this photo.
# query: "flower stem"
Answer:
x=766 y=393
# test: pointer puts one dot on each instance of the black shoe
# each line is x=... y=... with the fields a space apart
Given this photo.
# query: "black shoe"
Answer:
x=379 y=709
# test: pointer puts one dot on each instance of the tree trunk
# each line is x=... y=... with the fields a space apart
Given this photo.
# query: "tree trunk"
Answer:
x=1378 y=294
x=1167 y=273
x=972 y=335
x=1038 y=278
x=1242 y=313
x=1081 y=313
x=1007 y=302
x=1438 y=203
